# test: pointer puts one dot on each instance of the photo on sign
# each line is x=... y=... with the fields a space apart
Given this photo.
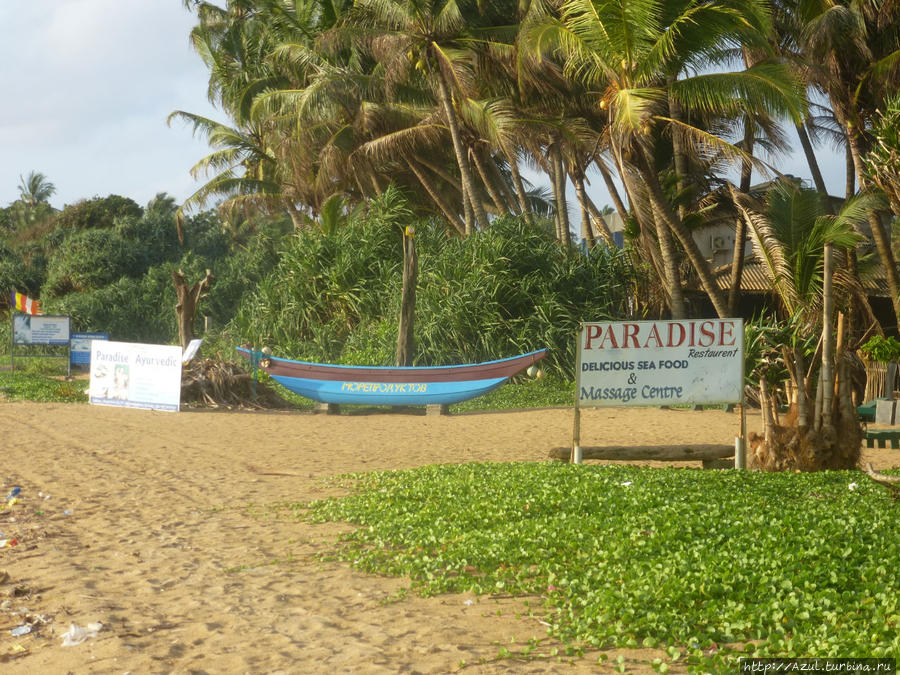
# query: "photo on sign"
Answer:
x=111 y=382
x=22 y=329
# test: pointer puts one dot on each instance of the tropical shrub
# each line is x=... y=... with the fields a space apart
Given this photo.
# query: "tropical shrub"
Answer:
x=99 y=212
x=139 y=309
x=881 y=349
x=335 y=296
x=89 y=260
x=322 y=289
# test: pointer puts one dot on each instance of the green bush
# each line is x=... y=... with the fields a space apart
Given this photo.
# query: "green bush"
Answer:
x=882 y=349
x=87 y=261
x=99 y=212
x=138 y=309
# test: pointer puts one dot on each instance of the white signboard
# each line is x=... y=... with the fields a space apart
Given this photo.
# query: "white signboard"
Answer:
x=80 y=347
x=656 y=363
x=191 y=350
x=135 y=375
x=40 y=329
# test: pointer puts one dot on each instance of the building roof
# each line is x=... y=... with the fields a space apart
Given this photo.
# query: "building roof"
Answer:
x=755 y=280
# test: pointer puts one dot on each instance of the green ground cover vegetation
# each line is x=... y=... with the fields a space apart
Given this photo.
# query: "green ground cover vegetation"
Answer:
x=709 y=565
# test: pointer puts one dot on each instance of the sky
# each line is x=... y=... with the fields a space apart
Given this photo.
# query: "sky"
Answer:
x=88 y=85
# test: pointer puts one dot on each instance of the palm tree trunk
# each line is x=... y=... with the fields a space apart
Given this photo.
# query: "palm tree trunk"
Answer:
x=669 y=218
x=499 y=202
x=679 y=156
x=666 y=267
x=613 y=192
x=559 y=193
x=449 y=178
x=827 y=335
x=802 y=389
x=502 y=183
x=850 y=180
x=604 y=230
x=586 y=232
x=669 y=257
x=811 y=159
x=882 y=240
x=464 y=169
x=296 y=217
x=468 y=212
x=521 y=195
x=740 y=230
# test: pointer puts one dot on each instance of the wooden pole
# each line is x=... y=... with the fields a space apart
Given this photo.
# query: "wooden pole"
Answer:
x=740 y=443
x=827 y=337
x=576 y=430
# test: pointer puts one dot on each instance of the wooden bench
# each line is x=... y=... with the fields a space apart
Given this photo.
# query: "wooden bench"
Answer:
x=710 y=455
x=866 y=411
x=882 y=437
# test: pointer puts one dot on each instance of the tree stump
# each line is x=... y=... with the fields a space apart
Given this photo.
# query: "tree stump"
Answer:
x=188 y=299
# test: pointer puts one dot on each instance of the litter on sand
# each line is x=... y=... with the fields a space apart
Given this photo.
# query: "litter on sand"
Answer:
x=76 y=634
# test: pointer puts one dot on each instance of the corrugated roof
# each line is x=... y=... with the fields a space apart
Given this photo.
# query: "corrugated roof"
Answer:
x=755 y=280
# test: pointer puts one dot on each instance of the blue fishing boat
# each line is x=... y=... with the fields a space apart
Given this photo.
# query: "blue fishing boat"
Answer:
x=386 y=385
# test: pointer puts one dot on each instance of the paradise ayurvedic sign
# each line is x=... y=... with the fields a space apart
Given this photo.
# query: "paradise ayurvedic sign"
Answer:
x=656 y=363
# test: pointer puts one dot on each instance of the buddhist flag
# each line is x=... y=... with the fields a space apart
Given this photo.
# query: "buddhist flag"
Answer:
x=25 y=304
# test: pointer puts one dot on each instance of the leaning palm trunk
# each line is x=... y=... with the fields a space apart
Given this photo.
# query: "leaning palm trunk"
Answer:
x=602 y=228
x=665 y=265
x=666 y=217
x=451 y=217
x=811 y=160
x=462 y=159
x=499 y=202
x=520 y=186
x=613 y=191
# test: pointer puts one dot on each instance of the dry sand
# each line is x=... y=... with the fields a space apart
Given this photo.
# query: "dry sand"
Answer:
x=145 y=527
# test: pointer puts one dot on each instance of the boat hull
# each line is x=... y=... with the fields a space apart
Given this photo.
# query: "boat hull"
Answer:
x=374 y=385
x=388 y=393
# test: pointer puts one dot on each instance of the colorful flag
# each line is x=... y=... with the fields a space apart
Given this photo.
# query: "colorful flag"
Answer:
x=25 y=304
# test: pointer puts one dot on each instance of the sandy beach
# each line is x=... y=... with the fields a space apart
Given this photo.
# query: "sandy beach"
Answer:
x=165 y=528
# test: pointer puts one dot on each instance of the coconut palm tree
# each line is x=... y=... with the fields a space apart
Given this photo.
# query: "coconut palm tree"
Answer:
x=35 y=189
x=883 y=160
x=851 y=50
x=434 y=38
x=640 y=57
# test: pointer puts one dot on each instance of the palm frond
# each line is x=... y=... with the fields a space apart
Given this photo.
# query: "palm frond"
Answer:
x=769 y=248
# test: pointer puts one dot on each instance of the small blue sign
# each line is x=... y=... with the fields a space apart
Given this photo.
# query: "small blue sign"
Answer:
x=80 y=347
